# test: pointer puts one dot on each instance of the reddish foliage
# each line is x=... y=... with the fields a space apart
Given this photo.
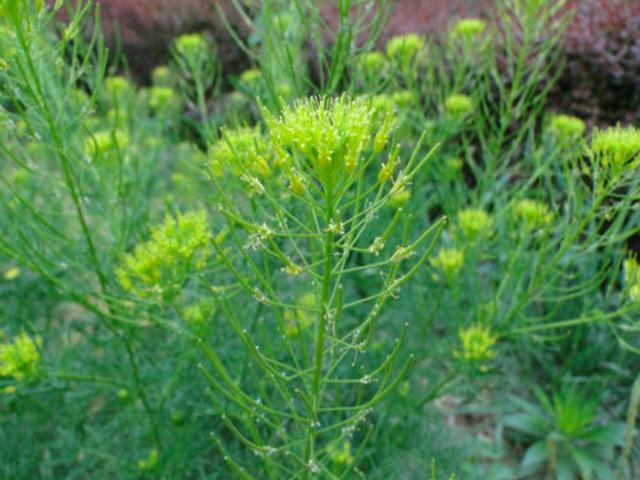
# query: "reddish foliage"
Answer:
x=602 y=49
x=601 y=80
x=146 y=29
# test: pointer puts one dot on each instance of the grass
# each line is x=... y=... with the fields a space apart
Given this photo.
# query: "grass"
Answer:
x=346 y=262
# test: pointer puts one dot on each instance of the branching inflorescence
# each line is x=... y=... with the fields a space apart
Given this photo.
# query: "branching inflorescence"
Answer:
x=318 y=172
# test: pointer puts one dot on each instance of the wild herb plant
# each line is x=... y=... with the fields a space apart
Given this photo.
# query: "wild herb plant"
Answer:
x=566 y=438
x=258 y=283
x=312 y=187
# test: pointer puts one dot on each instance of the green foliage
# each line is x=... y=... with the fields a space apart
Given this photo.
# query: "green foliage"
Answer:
x=565 y=440
x=335 y=265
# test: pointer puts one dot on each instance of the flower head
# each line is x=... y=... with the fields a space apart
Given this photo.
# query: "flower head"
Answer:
x=632 y=278
x=372 y=63
x=532 y=213
x=404 y=49
x=449 y=261
x=161 y=98
x=475 y=222
x=566 y=127
x=191 y=45
x=251 y=77
x=458 y=105
x=340 y=453
x=241 y=151
x=101 y=143
x=161 y=76
x=20 y=359
x=330 y=134
x=118 y=87
x=617 y=147
x=11 y=273
x=477 y=344
x=160 y=265
x=468 y=28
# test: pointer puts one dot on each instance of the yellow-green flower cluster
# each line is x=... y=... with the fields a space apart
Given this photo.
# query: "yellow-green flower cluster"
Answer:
x=475 y=222
x=468 y=28
x=371 y=63
x=458 y=105
x=118 y=88
x=11 y=273
x=477 y=344
x=340 y=453
x=197 y=316
x=533 y=213
x=404 y=49
x=454 y=164
x=251 y=77
x=566 y=127
x=20 y=359
x=191 y=45
x=617 y=147
x=159 y=266
x=161 y=76
x=105 y=141
x=385 y=104
x=330 y=133
x=632 y=278
x=449 y=261
x=161 y=98
x=241 y=151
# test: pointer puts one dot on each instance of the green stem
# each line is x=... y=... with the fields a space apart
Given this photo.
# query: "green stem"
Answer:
x=325 y=312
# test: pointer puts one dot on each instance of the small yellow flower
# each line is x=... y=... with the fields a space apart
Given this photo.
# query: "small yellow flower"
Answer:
x=469 y=28
x=477 y=344
x=454 y=164
x=632 y=278
x=9 y=390
x=403 y=49
x=403 y=99
x=103 y=142
x=372 y=63
x=11 y=273
x=458 y=105
x=198 y=315
x=161 y=76
x=20 y=359
x=251 y=77
x=177 y=247
x=617 y=148
x=566 y=128
x=449 y=261
x=475 y=222
x=331 y=134
x=118 y=87
x=340 y=453
x=192 y=45
x=161 y=98
x=533 y=213
x=241 y=151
